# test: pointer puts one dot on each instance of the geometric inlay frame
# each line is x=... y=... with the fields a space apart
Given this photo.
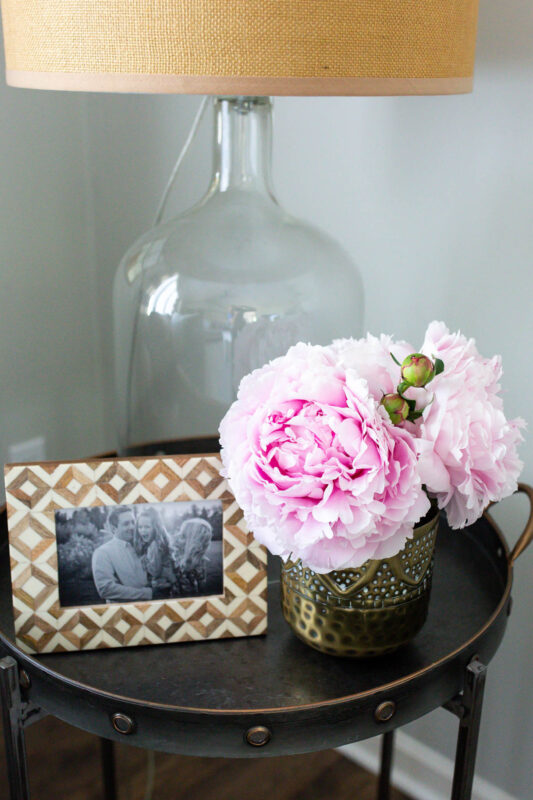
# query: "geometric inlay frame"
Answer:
x=35 y=491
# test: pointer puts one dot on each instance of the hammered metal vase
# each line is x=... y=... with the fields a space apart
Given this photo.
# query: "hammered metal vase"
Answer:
x=367 y=611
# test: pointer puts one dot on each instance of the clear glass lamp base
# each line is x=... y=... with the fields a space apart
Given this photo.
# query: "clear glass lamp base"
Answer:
x=230 y=284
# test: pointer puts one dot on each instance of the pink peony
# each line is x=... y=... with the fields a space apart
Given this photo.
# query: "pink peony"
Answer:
x=467 y=448
x=371 y=358
x=316 y=465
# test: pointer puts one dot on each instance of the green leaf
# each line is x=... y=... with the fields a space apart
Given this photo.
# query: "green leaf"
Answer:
x=402 y=386
x=395 y=359
x=439 y=366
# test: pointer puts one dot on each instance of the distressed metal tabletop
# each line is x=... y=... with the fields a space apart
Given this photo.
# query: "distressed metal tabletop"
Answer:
x=200 y=698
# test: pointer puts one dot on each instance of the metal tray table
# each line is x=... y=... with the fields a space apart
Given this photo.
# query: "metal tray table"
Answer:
x=273 y=695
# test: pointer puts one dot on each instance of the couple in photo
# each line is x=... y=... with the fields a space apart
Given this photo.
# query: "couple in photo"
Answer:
x=142 y=562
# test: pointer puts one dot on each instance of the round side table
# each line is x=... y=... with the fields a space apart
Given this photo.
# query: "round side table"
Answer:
x=273 y=695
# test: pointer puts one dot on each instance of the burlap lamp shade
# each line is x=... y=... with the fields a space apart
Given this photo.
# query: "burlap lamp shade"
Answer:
x=242 y=47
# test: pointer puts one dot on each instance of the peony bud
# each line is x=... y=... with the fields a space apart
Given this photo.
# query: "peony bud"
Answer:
x=396 y=407
x=417 y=370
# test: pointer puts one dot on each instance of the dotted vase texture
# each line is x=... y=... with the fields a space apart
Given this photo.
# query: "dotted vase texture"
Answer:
x=367 y=611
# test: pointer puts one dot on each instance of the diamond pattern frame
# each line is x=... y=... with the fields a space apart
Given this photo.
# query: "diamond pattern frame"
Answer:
x=35 y=491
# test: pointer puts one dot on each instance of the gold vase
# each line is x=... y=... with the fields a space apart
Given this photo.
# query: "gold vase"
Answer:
x=367 y=611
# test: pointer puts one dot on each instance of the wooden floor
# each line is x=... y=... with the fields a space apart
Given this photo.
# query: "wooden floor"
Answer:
x=64 y=763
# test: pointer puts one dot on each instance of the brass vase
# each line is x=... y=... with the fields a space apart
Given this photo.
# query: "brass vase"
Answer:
x=367 y=611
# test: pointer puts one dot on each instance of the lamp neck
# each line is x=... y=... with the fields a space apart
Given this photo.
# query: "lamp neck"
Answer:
x=243 y=144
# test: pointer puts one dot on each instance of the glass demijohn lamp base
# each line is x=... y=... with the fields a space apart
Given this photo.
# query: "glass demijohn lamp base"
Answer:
x=203 y=299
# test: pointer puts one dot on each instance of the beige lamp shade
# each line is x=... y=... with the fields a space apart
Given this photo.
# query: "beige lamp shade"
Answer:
x=242 y=47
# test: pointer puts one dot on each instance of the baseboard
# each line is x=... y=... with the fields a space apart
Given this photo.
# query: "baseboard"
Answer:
x=418 y=770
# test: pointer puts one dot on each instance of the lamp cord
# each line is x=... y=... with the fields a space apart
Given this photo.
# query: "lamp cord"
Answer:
x=184 y=150
x=159 y=214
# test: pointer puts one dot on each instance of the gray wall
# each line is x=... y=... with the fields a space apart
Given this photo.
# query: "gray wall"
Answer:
x=432 y=197
x=49 y=355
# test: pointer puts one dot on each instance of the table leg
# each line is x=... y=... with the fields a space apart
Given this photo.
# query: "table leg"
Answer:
x=17 y=770
x=471 y=704
x=109 y=780
x=387 y=747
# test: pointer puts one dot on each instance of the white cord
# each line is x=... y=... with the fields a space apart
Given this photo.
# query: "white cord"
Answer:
x=150 y=775
x=198 y=118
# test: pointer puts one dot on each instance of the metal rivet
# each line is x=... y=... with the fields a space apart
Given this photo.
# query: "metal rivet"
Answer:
x=25 y=680
x=385 y=711
x=123 y=724
x=258 y=736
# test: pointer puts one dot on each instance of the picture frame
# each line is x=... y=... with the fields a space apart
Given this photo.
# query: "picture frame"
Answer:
x=61 y=514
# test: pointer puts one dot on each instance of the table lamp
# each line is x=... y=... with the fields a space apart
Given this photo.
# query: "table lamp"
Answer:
x=202 y=299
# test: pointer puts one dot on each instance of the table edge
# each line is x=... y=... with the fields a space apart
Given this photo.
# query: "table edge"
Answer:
x=26 y=660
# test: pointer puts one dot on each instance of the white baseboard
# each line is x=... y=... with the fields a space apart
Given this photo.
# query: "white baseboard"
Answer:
x=418 y=770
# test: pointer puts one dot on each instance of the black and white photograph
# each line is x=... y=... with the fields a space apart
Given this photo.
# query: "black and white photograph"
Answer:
x=139 y=552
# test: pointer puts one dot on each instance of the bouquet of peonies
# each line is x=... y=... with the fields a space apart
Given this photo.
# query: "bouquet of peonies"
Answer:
x=334 y=453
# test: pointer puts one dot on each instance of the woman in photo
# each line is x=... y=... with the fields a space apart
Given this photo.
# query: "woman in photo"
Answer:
x=150 y=542
x=189 y=552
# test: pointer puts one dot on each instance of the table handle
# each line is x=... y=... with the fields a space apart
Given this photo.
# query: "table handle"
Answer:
x=527 y=534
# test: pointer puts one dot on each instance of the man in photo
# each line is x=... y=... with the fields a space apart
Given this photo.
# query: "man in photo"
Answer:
x=117 y=569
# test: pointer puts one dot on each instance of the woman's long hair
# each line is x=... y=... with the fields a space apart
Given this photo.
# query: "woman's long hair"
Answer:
x=195 y=534
x=160 y=535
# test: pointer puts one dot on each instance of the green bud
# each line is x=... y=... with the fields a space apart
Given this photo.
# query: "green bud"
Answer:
x=417 y=370
x=396 y=407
